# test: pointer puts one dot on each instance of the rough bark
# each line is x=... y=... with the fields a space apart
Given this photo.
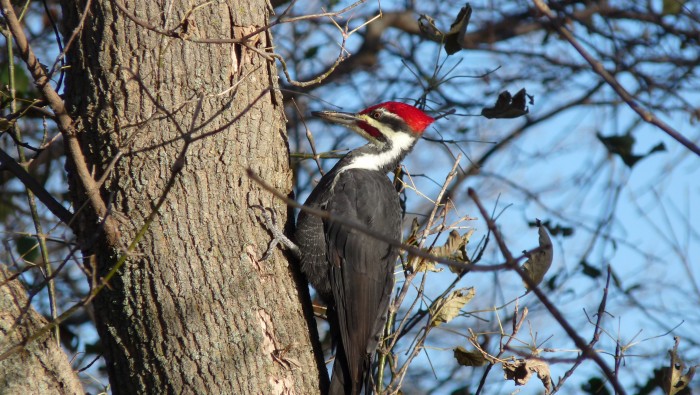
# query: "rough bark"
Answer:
x=194 y=309
x=41 y=367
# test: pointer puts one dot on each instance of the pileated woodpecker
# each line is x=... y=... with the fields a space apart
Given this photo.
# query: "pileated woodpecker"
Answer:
x=351 y=271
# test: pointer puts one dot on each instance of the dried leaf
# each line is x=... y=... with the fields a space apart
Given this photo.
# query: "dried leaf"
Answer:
x=539 y=262
x=416 y=264
x=454 y=248
x=622 y=145
x=414 y=228
x=520 y=371
x=428 y=28
x=445 y=309
x=508 y=106
x=461 y=252
x=451 y=248
x=469 y=358
x=590 y=270
x=675 y=381
x=454 y=39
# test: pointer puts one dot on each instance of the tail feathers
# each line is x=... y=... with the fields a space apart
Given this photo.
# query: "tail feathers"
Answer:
x=342 y=382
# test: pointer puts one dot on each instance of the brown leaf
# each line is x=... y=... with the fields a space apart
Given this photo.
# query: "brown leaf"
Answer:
x=445 y=309
x=469 y=358
x=428 y=28
x=454 y=39
x=539 y=262
x=454 y=248
x=416 y=264
x=674 y=380
x=451 y=246
x=508 y=106
x=520 y=371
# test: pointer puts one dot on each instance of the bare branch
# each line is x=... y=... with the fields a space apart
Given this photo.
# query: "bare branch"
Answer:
x=63 y=120
x=647 y=116
x=37 y=189
x=586 y=350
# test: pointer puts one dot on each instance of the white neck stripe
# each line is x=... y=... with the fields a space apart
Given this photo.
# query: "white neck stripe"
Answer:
x=400 y=143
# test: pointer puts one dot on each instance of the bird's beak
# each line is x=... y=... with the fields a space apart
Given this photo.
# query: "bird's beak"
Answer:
x=341 y=118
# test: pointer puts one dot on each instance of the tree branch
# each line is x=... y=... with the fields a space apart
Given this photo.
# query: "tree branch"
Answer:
x=63 y=121
x=39 y=191
x=512 y=264
x=598 y=68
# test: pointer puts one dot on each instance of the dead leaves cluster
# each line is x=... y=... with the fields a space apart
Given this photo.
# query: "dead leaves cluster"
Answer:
x=447 y=308
x=521 y=370
x=454 y=248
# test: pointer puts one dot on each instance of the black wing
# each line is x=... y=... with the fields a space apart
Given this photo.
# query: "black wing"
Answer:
x=361 y=266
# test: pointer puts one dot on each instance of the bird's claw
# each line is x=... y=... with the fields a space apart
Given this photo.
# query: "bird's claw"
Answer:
x=278 y=236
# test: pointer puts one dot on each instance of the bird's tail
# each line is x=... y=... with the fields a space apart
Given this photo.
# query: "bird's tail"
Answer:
x=341 y=380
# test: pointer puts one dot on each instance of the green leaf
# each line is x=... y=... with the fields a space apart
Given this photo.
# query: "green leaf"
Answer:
x=27 y=248
x=445 y=309
x=469 y=358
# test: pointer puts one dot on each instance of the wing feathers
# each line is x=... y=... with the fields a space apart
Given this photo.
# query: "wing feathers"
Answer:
x=362 y=267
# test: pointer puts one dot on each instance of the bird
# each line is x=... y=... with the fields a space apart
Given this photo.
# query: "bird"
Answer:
x=352 y=272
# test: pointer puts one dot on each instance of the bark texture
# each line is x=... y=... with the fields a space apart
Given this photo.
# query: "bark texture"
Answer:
x=41 y=367
x=194 y=309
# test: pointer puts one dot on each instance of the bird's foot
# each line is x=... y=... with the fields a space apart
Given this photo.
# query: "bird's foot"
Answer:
x=278 y=236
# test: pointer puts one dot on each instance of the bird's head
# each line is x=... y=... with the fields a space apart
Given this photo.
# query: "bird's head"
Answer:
x=383 y=123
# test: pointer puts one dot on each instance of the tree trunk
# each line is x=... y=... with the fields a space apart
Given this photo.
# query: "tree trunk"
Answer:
x=194 y=309
x=41 y=367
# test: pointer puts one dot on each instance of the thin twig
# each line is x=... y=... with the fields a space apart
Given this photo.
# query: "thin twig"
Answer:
x=512 y=264
x=310 y=138
x=596 y=334
x=599 y=69
x=63 y=121
x=33 y=185
x=379 y=236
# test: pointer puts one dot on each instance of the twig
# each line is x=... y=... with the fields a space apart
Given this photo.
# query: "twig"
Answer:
x=63 y=121
x=176 y=169
x=310 y=138
x=586 y=351
x=610 y=80
x=175 y=33
x=379 y=236
x=596 y=334
x=33 y=185
x=517 y=324
x=31 y=199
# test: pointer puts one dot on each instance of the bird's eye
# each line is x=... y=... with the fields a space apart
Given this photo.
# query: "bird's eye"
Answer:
x=376 y=114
